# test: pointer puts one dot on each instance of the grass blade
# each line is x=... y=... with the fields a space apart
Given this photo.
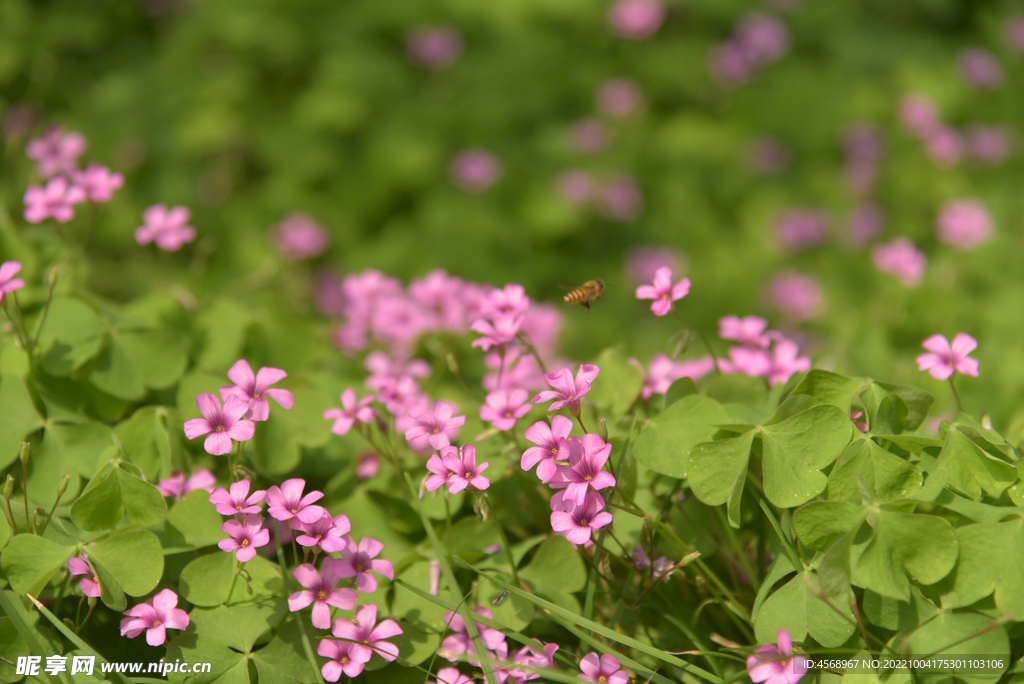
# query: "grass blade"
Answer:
x=70 y=636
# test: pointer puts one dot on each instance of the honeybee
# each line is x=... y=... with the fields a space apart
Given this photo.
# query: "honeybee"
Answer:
x=590 y=290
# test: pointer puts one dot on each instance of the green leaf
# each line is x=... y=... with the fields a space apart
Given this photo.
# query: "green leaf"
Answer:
x=207 y=580
x=717 y=469
x=99 y=508
x=735 y=388
x=226 y=666
x=916 y=400
x=618 y=385
x=159 y=357
x=239 y=626
x=819 y=525
x=30 y=561
x=223 y=326
x=68 y=449
x=110 y=590
x=193 y=523
x=5 y=531
x=143 y=503
x=889 y=476
x=991 y=558
x=796 y=608
x=410 y=606
x=965 y=634
x=665 y=445
x=829 y=388
x=923 y=546
x=134 y=558
x=12 y=647
x=796 y=450
x=971 y=470
x=19 y=418
x=72 y=334
x=282 y=660
x=557 y=566
x=683 y=387
x=116 y=373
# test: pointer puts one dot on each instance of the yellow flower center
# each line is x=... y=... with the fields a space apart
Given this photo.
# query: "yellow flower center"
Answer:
x=508 y=414
x=583 y=523
x=219 y=428
x=321 y=595
x=344 y=660
x=294 y=511
x=245 y=543
x=157 y=623
x=468 y=476
x=588 y=478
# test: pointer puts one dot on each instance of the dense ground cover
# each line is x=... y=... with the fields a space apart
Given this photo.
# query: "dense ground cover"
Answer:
x=787 y=428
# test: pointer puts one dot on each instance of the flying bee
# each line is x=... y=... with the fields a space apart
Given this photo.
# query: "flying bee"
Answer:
x=585 y=293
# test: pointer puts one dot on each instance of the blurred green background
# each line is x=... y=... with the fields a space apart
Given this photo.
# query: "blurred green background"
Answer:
x=247 y=110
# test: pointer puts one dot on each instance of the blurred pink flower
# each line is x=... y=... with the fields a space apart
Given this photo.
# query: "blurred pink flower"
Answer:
x=746 y=361
x=516 y=370
x=859 y=421
x=777 y=665
x=451 y=675
x=57 y=152
x=785 y=360
x=636 y=19
x=748 y=331
x=402 y=396
x=18 y=122
x=98 y=182
x=965 y=224
x=663 y=371
x=769 y=155
x=588 y=135
x=865 y=223
x=498 y=333
x=729 y=63
x=621 y=199
x=177 y=486
x=8 y=283
x=981 y=68
x=384 y=369
x=799 y=229
x=166 y=227
x=368 y=465
x=918 y=113
x=510 y=300
x=946 y=359
x=945 y=146
x=987 y=143
x=154 y=617
x=244 y=537
x=435 y=46
x=763 y=38
x=90 y=583
x=619 y=98
x=351 y=413
x=475 y=170
x=57 y=200
x=398 y=321
x=299 y=237
x=663 y=291
x=1014 y=28
x=901 y=259
x=254 y=389
x=541 y=325
x=661 y=567
x=502 y=409
x=576 y=187
x=796 y=295
x=643 y=262
x=863 y=141
x=223 y=424
x=441 y=295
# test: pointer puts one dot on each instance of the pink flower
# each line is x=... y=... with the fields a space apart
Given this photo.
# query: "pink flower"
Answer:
x=643 y=262
x=498 y=333
x=286 y=502
x=662 y=373
x=98 y=182
x=531 y=657
x=435 y=577
x=730 y=63
x=901 y=259
x=238 y=501
x=588 y=135
x=299 y=237
x=341 y=659
x=777 y=665
x=619 y=98
x=402 y=397
x=541 y=326
x=56 y=152
x=166 y=227
x=1014 y=28
x=351 y=413
x=981 y=68
x=383 y=368
x=861 y=423
x=359 y=561
x=577 y=522
x=796 y=295
x=222 y=424
x=663 y=292
x=245 y=537
x=621 y=199
x=8 y=283
x=946 y=359
x=457 y=471
x=987 y=143
x=155 y=616
x=604 y=669
x=475 y=170
x=965 y=224
x=865 y=223
x=785 y=361
x=320 y=590
x=748 y=361
x=510 y=300
x=365 y=636
x=441 y=295
x=567 y=391
x=368 y=465
x=636 y=19
x=90 y=583
x=435 y=46
x=552 y=444
x=748 y=331
x=328 y=533
x=435 y=428
x=504 y=408
x=56 y=200
x=585 y=472
x=769 y=155
x=762 y=38
x=576 y=187
x=177 y=486
x=456 y=644
x=253 y=389
x=919 y=115
x=801 y=228
x=945 y=146
x=450 y=675
x=329 y=299
x=514 y=370
x=661 y=567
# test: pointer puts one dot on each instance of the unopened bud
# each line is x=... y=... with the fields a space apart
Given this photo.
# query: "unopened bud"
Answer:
x=92 y=602
x=688 y=558
x=51 y=277
x=602 y=429
x=63 y=487
x=453 y=365
x=38 y=516
x=9 y=487
x=26 y=451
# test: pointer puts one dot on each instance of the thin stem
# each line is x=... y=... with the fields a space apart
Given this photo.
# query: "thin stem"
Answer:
x=234 y=580
x=579 y=416
x=50 y=514
x=88 y=615
x=46 y=309
x=956 y=395
x=24 y=490
x=14 y=525
x=508 y=549
x=530 y=348
x=24 y=330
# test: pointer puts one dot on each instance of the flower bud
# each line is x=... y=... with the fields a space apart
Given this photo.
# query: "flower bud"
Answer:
x=602 y=429
x=453 y=365
x=9 y=488
x=26 y=451
x=63 y=487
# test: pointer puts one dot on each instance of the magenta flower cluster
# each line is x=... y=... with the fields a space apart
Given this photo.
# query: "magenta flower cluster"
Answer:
x=757 y=42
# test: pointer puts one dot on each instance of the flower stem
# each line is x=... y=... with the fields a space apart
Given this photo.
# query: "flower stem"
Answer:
x=46 y=309
x=956 y=395
x=234 y=580
x=533 y=350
